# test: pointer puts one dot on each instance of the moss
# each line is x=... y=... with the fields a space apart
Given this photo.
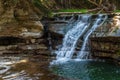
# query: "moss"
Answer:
x=73 y=10
x=42 y=8
x=116 y=29
x=117 y=11
x=118 y=52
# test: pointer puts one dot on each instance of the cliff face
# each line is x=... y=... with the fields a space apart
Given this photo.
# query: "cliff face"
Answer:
x=20 y=16
x=20 y=26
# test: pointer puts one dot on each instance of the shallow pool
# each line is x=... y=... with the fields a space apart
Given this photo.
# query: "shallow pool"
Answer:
x=26 y=67
x=87 y=70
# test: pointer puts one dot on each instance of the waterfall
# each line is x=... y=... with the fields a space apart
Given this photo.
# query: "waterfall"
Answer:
x=72 y=36
x=83 y=28
x=82 y=54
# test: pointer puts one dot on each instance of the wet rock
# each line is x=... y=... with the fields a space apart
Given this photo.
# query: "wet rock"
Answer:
x=39 y=41
x=33 y=47
x=105 y=47
x=58 y=28
x=10 y=40
x=18 y=18
x=31 y=34
x=20 y=26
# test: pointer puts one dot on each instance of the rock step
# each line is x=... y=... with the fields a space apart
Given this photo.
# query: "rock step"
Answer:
x=9 y=52
x=32 y=46
x=36 y=52
x=24 y=47
x=32 y=41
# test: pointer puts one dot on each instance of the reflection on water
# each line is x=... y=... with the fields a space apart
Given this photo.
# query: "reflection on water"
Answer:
x=26 y=68
x=37 y=68
x=88 y=70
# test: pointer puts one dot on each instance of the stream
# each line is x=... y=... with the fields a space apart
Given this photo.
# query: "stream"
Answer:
x=37 y=67
x=87 y=70
x=26 y=67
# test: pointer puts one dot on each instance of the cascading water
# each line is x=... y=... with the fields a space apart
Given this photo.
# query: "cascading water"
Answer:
x=72 y=36
x=82 y=54
x=83 y=26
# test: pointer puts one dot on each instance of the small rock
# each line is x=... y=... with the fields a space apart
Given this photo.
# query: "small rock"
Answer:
x=33 y=40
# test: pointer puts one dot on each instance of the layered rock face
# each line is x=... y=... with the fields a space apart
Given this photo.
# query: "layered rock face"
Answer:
x=20 y=19
x=108 y=46
x=105 y=47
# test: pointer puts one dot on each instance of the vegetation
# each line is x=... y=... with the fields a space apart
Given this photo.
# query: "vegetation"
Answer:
x=39 y=4
x=118 y=52
x=47 y=7
x=103 y=5
x=117 y=11
x=73 y=10
x=92 y=6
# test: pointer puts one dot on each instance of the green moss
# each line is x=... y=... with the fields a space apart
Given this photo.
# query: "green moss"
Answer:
x=118 y=52
x=73 y=10
x=42 y=8
x=50 y=14
x=117 y=11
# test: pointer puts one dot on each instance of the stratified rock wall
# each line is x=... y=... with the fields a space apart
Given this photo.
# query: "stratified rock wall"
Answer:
x=20 y=20
x=105 y=47
x=17 y=17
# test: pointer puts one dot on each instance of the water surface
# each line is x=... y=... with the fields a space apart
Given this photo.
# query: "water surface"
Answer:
x=88 y=70
x=26 y=67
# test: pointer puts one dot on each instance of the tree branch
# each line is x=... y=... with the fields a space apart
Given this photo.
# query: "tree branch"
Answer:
x=100 y=2
x=93 y=2
x=91 y=10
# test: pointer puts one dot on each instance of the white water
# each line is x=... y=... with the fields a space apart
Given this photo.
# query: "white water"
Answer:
x=71 y=38
x=82 y=54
